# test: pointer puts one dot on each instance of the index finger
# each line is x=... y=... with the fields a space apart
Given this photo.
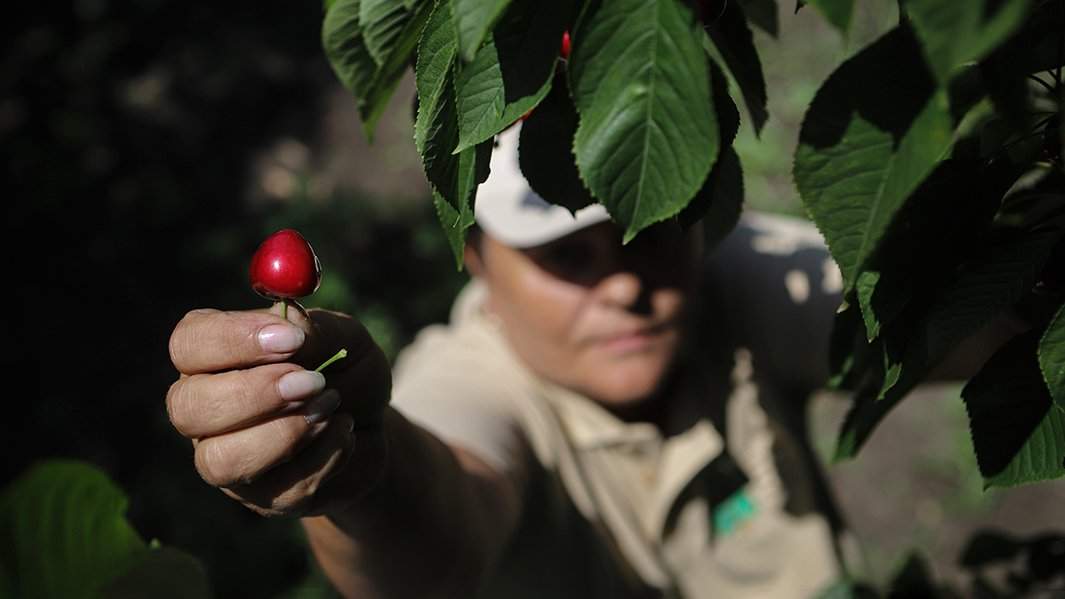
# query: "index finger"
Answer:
x=212 y=340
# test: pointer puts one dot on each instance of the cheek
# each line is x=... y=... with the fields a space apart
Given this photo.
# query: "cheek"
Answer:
x=539 y=317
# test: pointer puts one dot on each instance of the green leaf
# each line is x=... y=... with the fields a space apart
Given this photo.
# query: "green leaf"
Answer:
x=432 y=72
x=866 y=285
x=546 y=151
x=1052 y=357
x=953 y=33
x=836 y=12
x=1039 y=43
x=64 y=531
x=480 y=99
x=382 y=23
x=1032 y=49
x=371 y=80
x=849 y=352
x=455 y=225
x=1018 y=432
x=453 y=177
x=875 y=130
x=163 y=573
x=986 y=286
x=473 y=20
x=720 y=200
x=762 y=14
x=732 y=39
x=930 y=237
x=728 y=116
x=346 y=49
x=512 y=72
x=648 y=135
x=860 y=421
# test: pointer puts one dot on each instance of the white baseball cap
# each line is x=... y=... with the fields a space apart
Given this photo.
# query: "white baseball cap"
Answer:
x=511 y=212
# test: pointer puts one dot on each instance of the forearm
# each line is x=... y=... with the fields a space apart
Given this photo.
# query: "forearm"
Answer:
x=428 y=528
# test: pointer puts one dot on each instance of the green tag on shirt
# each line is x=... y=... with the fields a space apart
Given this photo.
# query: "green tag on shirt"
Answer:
x=732 y=513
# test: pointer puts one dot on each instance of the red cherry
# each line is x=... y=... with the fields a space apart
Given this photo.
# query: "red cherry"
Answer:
x=285 y=267
x=564 y=50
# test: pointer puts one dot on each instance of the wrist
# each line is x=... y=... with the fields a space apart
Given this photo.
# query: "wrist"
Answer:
x=351 y=487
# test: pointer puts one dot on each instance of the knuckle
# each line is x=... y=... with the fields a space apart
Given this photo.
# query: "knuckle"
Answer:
x=183 y=338
x=176 y=346
x=242 y=391
x=176 y=405
x=211 y=464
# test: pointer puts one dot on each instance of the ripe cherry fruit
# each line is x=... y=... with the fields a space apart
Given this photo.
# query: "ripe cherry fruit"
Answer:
x=284 y=268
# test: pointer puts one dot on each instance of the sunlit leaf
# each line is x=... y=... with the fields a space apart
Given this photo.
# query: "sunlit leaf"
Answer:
x=512 y=72
x=371 y=76
x=473 y=19
x=648 y=134
x=342 y=39
x=382 y=22
x=454 y=176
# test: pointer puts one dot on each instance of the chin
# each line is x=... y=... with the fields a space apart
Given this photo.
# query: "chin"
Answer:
x=627 y=386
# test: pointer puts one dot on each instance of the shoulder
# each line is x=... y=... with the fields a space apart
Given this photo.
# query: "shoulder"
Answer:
x=459 y=381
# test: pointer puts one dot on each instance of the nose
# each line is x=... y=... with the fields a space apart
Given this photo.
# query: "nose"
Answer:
x=621 y=289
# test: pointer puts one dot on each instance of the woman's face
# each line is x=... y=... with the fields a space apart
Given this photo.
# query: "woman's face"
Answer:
x=592 y=315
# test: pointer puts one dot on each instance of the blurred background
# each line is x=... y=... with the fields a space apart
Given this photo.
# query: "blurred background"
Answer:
x=149 y=146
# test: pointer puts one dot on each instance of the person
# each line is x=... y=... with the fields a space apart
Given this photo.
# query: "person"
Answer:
x=595 y=419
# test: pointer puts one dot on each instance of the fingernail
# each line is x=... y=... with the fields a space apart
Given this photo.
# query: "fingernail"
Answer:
x=316 y=429
x=280 y=338
x=322 y=406
x=300 y=384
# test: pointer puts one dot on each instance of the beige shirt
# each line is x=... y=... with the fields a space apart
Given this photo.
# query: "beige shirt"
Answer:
x=727 y=501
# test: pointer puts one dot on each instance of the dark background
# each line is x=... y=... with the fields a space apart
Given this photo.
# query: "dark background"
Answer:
x=134 y=134
x=149 y=146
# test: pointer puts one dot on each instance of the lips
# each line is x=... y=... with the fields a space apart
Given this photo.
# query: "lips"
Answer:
x=635 y=339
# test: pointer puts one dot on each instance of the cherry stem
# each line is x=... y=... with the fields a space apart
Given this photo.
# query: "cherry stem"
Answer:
x=284 y=309
x=343 y=353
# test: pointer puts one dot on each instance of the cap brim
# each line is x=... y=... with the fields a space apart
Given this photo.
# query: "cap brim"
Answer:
x=511 y=212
